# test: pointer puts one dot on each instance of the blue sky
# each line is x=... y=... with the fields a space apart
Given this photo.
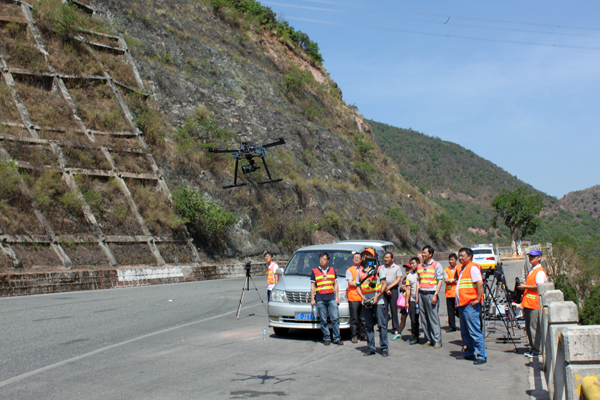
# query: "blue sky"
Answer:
x=516 y=82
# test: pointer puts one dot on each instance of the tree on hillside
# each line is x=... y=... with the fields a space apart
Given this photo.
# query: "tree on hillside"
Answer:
x=518 y=209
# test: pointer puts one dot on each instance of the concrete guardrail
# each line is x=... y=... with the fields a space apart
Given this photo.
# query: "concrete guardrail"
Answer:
x=571 y=353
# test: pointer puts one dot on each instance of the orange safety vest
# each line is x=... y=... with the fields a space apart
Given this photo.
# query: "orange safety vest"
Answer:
x=427 y=276
x=324 y=280
x=352 y=292
x=365 y=287
x=531 y=297
x=271 y=274
x=451 y=288
x=467 y=289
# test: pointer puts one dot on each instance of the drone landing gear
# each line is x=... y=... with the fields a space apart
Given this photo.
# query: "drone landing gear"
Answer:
x=270 y=180
x=236 y=185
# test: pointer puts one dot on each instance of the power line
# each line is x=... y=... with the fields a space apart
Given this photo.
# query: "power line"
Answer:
x=445 y=35
x=452 y=16
x=428 y=21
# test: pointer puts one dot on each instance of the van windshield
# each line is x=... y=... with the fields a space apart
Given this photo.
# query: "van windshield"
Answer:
x=303 y=262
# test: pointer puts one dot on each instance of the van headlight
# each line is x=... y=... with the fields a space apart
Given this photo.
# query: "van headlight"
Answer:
x=278 y=296
x=343 y=296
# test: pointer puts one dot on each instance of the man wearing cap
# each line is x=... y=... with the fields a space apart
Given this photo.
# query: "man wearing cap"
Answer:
x=530 y=303
x=371 y=284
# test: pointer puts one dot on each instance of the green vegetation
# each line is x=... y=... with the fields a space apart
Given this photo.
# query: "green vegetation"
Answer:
x=518 y=210
x=204 y=218
x=199 y=132
x=590 y=312
x=263 y=16
x=441 y=226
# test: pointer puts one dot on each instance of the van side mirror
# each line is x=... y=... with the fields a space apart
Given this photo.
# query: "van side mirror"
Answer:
x=279 y=271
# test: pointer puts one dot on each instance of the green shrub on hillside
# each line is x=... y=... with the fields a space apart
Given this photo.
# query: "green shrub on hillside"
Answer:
x=205 y=218
x=590 y=312
x=264 y=16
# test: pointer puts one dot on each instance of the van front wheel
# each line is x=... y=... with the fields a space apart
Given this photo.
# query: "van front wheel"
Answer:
x=281 y=331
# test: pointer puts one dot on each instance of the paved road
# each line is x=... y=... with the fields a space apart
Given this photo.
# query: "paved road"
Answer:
x=182 y=341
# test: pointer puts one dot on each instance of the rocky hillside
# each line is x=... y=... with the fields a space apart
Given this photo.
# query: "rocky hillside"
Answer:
x=109 y=107
x=587 y=201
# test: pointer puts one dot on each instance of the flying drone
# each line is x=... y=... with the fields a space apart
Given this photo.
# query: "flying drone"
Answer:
x=248 y=151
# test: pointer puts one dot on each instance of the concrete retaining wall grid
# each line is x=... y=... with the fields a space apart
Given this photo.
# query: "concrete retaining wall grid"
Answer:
x=19 y=284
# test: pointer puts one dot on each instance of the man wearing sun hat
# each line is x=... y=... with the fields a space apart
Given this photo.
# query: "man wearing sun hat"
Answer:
x=371 y=284
x=530 y=302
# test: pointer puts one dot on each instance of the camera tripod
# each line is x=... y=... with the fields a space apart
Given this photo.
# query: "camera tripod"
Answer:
x=246 y=288
x=497 y=305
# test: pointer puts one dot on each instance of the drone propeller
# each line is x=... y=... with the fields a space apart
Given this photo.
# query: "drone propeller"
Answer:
x=278 y=142
x=213 y=150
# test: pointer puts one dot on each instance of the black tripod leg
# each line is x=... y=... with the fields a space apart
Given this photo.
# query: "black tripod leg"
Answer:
x=505 y=325
x=258 y=293
x=237 y=315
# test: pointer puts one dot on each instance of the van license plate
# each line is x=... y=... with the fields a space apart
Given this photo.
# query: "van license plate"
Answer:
x=305 y=316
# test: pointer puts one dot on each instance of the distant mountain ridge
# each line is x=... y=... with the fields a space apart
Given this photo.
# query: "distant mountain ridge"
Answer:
x=464 y=184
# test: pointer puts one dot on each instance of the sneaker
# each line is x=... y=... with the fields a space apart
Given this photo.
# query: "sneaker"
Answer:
x=531 y=354
x=385 y=353
x=414 y=341
x=480 y=361
x=338 y=342
x=327 y=342
x=452 y=330
x=369 y=353
x=354 y=340
x=427 y=344
x=437 y=346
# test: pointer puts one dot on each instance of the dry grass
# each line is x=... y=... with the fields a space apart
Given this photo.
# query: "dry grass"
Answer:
x=36 y=154
x=85 y=254
x=36 y=254
x=109 y=205
x=107 y=41
x=85 y=157
x=61 y=207
x=176 y=253
x=44 y=103
x=16 y=211
x=11 y=10
x=97 y=106
x=131 y=162
x=118 y=143
x=69 y=137
x=132 y=253
x=17 y=50
x=118 y=68
x=8 y=109
x=13 y=131
x=64 y=19
x=155 y=207
x=71 y=57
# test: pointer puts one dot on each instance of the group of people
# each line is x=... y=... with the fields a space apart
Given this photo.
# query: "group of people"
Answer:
x=374 y=292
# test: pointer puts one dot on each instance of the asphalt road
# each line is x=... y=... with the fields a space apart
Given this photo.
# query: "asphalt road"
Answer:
x=182 y=341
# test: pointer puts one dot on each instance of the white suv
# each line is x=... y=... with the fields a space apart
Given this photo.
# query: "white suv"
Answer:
x=290 y=300
x=485 y=256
